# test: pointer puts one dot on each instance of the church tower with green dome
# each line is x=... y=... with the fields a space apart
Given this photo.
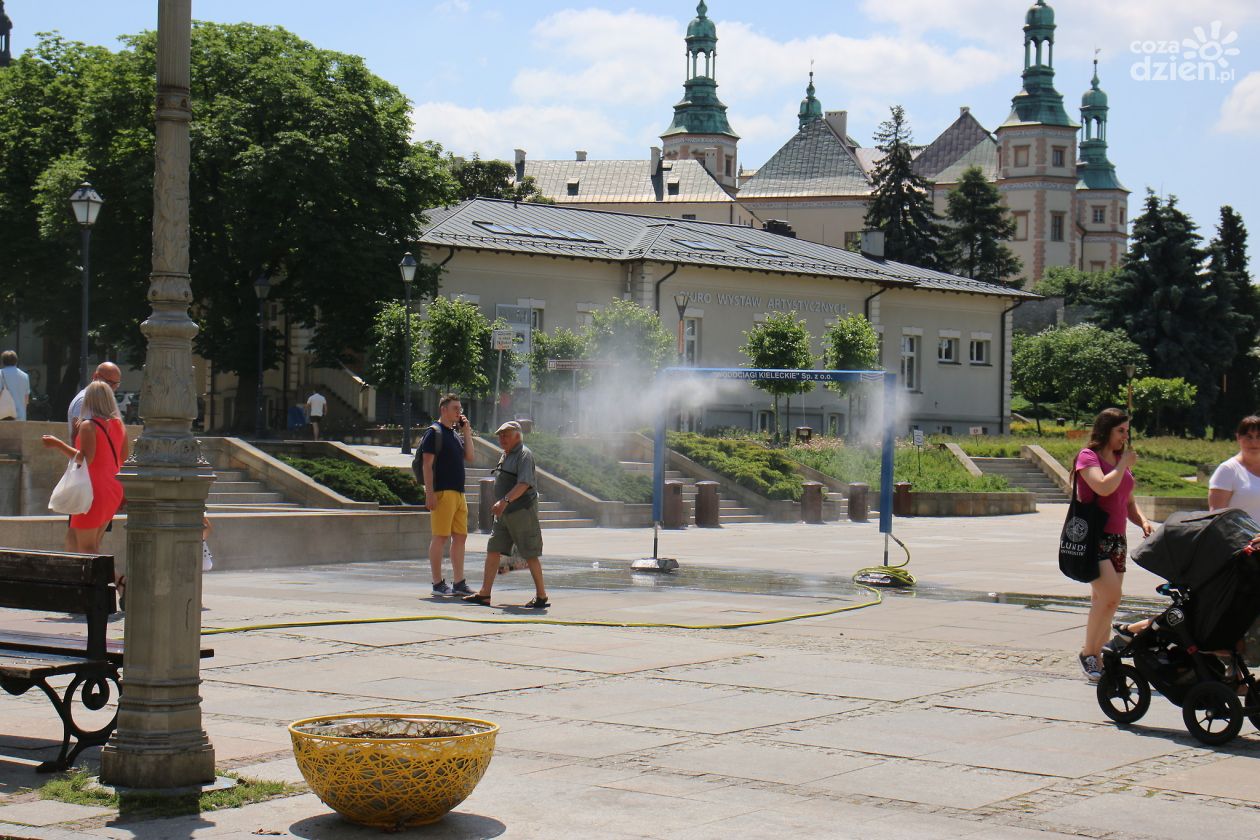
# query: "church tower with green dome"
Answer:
x=811 y=108
x=700 y=130
x=1102 y=201
x=1037 y=157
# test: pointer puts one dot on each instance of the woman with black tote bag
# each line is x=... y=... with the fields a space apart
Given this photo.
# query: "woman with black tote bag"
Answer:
x=1103 y=472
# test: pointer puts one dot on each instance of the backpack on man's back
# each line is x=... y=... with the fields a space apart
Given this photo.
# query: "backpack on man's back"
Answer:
x=417 y=463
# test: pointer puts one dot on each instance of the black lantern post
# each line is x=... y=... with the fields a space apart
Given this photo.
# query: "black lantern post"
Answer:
x=262 y=288
x=86 y=204
x=408 y=270
x=680 y=301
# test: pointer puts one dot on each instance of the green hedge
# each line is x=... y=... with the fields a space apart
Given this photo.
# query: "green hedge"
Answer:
x=385 y=485
x=583 y=466
x=933 y=470
x=765 y=471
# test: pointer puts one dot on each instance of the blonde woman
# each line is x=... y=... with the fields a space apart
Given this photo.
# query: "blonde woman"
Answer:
x=101 y=443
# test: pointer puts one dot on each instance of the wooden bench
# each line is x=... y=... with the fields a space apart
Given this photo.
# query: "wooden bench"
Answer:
x=80 y=584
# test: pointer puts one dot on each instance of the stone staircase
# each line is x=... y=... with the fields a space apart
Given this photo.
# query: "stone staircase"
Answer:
x=729 y=510
x=1023 y=475
x=550 y=514
x=234 y=489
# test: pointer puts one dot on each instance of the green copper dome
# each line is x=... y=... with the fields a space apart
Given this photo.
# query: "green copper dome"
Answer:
x=1039 y=16
x=1094 y=98
x=701 y=29
x=811 y=108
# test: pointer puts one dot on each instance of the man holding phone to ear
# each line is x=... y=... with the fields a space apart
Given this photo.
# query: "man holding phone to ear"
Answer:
x=445 y=448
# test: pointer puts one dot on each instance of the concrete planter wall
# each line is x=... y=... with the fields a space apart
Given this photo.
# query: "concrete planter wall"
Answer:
x=971 y=504
x=1157 y=508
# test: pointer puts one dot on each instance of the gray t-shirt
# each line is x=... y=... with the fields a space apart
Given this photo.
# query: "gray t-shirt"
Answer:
x=75 y=412
x=515 y=467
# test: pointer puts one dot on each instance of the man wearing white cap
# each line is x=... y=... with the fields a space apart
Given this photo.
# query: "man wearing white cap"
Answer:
x=516 y=517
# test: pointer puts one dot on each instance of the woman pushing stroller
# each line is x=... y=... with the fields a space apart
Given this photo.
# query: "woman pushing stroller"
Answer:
x=1105 y=470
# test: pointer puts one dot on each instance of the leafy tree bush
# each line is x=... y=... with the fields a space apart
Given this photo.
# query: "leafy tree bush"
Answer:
x=595 y=472
x=781 y=342
x=979 y=224
x=354 y=481
x=630 y=335
x=452 y=357
x=931 y=471
x=560 y=343
x=1154 y=397
x=764 y=471
x=1079 y=367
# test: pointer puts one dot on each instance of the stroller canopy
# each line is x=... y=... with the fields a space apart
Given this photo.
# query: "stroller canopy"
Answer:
x=1200 y=552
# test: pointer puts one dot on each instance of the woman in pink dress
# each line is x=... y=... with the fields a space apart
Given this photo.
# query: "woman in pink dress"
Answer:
x=101 y=444
x=1104 y=471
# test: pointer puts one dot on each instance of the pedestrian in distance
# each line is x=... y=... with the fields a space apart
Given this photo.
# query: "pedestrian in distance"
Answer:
x=102 y=444
x=316 y=408
x=446 y=447
x=1236 y=482
x=516 y=517
x=111 y=375
x=15 y=388
x=1105 y=468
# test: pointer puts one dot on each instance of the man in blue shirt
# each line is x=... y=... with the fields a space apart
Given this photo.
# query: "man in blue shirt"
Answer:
x=16 y=382
x=442 y=470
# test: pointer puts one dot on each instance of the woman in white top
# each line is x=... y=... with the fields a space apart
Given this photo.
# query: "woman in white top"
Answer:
x=1236 y=482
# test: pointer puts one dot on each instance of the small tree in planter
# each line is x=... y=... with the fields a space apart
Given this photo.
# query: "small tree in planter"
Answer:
x=780 y=342
x=451 y=360
x=850 y=344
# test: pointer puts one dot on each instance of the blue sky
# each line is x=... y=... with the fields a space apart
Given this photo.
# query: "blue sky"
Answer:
x=553 y=77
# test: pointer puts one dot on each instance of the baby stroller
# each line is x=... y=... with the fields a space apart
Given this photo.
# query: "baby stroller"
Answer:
x=1213 y=575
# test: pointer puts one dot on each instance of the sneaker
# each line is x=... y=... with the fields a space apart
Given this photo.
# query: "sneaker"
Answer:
x=442 y=588
x=461 y=588
x=1092 y=667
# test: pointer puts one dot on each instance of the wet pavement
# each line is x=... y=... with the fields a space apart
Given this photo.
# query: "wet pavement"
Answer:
x=954 y=710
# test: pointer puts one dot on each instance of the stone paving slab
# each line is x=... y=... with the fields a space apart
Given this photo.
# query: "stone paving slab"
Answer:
x=48 y=812
x=1144 y=816
x=1232 y=777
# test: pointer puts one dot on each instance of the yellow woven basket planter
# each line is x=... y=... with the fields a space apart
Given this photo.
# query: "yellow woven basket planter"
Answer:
x=392 y=771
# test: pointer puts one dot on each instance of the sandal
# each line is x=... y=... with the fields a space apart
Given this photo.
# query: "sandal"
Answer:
x=1123 y=630
x=477 y=598
x=537 y=604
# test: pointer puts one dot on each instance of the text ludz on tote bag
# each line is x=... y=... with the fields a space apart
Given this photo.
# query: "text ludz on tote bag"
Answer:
x=73 y=493
x=1078 y=542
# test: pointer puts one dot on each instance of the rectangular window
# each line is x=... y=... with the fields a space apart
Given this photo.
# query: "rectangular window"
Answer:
x=1100 y=214
x=1121 y=215
x=690 y=217
x=1056 y=227
x=1057 y=156
x=571 y=187
x=1097 y=266
x=536 y=319
x=947 y=430
x=765 y=421
x=947 y=351
x=585 y=319
x=981 y=351
x=691 y=341
x=1021 y=156
x=1021 y=224
x=910 y=362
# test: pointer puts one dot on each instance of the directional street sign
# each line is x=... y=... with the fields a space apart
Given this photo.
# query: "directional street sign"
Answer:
x=502 y=339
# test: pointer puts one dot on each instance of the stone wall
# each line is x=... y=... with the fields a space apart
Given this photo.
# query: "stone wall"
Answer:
x=971 y=504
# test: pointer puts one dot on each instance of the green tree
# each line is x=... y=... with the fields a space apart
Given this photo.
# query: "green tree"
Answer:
x=901 y=199
x=387 y=348
x=560 y=343
x=1229 y=277
x=972 y=244
x=1153 y=398
x=781 y=342
x=453 y=332
x=1076 y=287
x=477 y=178
x=301 y=168
x=851 y=343
x=631 y=336
x=1162 y=300
x=1079 y=367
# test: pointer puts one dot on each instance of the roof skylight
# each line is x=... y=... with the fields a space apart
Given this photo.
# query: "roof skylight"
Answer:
x=763 y=252
x=699 y=245
x=537 y=232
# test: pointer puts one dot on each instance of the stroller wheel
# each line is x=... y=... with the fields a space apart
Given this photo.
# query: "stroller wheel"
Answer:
x=1253 y=704
x=1212 y=713
x=1124 y=695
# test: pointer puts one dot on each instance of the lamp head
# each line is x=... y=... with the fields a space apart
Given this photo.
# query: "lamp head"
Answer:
x=407 y=268
x=680 y=301
x=262 y=286
x=86 y=204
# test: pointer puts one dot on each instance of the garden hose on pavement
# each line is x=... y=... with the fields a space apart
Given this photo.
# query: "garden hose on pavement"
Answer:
x=865 y=579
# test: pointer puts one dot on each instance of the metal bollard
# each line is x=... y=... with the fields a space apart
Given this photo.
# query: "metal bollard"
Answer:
x=707 y=505
x=485 y=503
x=858 y=506
x=901 y=498
x=811 y=502
x=672 y=515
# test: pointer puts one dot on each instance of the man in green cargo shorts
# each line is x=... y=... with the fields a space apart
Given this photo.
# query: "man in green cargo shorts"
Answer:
x=516 y=516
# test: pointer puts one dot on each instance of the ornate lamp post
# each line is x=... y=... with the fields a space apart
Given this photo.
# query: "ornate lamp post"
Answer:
x=86 y=204
x=160 y=741
x=408 y=270
x=262 y=288
x=680 y=301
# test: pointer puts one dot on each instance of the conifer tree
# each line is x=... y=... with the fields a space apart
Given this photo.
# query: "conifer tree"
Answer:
x=972 y=244
x=1228 y=275
x=901 y=199
x=1164 y=302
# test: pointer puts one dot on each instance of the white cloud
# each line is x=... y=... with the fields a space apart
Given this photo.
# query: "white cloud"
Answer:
x=548 y=132
x=452 y=7
x=1240 y=113
x=600 y=56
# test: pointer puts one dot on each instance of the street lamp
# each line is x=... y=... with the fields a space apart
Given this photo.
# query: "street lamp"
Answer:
x=680 y=300
x=262 y=288
x=1129 y=371
x=86 y=204
x=408 y=270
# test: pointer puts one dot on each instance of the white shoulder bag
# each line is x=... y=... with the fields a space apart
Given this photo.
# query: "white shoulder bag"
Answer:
x=73 y=494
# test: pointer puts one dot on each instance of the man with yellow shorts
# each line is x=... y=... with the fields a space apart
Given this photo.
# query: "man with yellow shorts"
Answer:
x=444 y=450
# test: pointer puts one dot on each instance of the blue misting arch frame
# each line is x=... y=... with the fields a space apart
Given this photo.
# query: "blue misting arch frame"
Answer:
x=750 y=374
